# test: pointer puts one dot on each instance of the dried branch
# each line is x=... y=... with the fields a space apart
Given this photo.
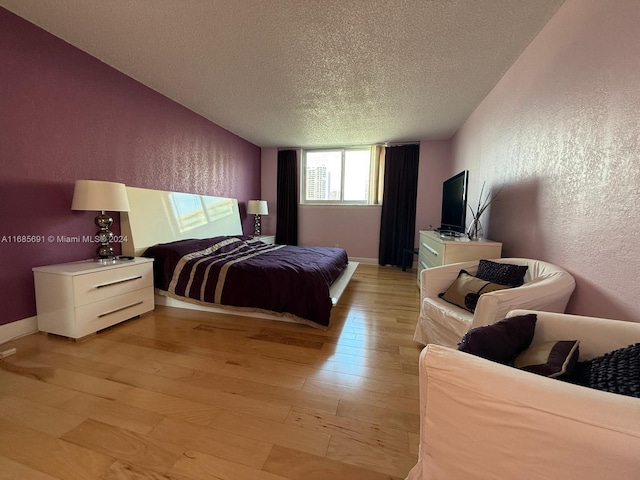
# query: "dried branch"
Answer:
x=483 y=204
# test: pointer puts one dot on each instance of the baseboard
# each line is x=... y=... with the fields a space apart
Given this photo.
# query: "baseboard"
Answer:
x=19 y=328
x=374 y=261
x=366 y=261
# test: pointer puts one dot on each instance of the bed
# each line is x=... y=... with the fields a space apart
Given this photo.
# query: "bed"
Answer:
x=203 y=261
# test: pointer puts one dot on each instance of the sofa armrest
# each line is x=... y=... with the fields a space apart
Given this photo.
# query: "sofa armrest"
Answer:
x=550 y=293
x=597 y=335
x=483 y=420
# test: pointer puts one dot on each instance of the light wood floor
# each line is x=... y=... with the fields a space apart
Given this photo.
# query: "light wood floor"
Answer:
x=184 y=395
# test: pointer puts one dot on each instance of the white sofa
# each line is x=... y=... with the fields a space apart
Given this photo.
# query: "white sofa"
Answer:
x=481 y=420
x=546 y=287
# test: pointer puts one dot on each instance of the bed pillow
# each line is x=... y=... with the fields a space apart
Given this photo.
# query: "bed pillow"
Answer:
x=465 y=291
x=502 y=341
x=615 y=372
x=551 y=359
x=501 y=273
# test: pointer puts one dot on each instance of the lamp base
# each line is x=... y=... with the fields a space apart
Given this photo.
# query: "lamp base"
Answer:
x=256 y=226
x=104 y=236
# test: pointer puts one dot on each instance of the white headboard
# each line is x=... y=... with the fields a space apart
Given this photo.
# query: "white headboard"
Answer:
x=158 y=216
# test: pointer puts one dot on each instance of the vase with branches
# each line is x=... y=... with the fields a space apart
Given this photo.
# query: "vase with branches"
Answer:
x=475 y=231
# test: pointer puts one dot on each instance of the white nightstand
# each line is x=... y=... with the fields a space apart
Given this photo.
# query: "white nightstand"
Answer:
x=79 y=298
x=271 y=239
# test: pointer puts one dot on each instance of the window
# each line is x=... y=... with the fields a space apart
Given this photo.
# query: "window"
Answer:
x=338 y=176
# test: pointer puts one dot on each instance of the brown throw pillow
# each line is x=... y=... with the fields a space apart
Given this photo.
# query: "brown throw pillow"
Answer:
x=465 y=291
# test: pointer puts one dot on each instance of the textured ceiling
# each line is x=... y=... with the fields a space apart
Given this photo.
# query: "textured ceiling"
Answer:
x=292 y=73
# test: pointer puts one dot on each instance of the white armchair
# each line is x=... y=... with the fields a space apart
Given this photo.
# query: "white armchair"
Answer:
x=546 y=287
x=486 y=421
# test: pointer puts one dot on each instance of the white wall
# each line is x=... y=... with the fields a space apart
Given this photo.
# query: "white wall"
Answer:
x=357 y=229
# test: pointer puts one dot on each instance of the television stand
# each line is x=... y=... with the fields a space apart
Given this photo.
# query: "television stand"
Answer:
x=436 y=250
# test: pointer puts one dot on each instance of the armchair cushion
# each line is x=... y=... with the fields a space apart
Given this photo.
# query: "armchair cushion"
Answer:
x=502 y=341
x=551 y=359
x=466 y=290
x=502 y=273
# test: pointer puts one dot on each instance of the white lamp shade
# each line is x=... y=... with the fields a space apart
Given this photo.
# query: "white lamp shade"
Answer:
x=257 y=207
x=100 y=196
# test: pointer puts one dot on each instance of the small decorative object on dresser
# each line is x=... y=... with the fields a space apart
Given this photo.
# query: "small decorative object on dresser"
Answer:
x=79 y=298
x=475 y=230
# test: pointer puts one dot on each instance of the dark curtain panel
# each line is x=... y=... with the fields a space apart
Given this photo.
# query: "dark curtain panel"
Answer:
x=287 y=207
x=398 y=222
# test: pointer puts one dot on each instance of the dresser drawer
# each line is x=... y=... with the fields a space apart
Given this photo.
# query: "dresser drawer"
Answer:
x=431 y=251
x=98 y=315
x=435 y=251
x=426 y=260
x=97 y=286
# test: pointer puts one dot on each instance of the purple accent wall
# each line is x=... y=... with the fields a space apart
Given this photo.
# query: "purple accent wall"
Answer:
x=64 y=115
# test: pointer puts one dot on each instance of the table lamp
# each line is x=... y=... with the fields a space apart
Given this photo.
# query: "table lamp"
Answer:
x=101 y=196
x=257 y=208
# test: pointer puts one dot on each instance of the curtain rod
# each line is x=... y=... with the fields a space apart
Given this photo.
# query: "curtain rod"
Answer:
x=383 y=144
x=399 y=144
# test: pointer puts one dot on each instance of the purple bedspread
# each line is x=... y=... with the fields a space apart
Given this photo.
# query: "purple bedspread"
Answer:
x=244 y=272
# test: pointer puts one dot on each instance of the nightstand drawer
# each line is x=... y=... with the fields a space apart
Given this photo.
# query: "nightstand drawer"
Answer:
x=96 y=316
x=97 y=286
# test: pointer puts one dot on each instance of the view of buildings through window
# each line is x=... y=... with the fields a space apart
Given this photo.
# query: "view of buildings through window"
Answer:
x=337 y=176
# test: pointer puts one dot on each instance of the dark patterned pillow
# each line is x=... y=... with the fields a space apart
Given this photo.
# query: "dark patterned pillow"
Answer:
x=615 y=372
x=551 y=359
x=465 y=291
x=502 y=341
x=502 y=273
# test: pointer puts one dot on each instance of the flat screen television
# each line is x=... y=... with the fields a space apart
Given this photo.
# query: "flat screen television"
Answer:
x=454 y=204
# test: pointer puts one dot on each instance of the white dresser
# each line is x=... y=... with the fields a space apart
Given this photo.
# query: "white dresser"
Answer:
x=79 y=298
x=435 y=250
